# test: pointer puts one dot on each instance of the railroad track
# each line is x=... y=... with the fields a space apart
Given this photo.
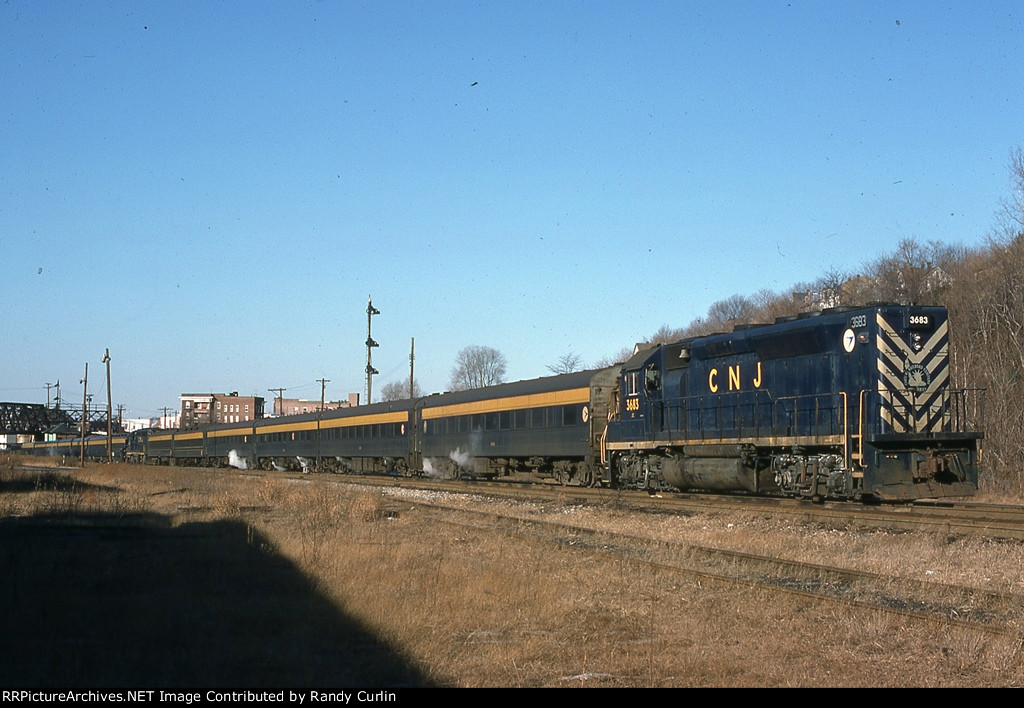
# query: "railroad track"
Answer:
x=992 y=613
x=1000 y=521
x=960 y=518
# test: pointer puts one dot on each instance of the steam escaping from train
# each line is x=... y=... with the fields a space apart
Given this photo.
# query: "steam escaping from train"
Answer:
x=462 y=459
x=235 y=461
x=442 y=469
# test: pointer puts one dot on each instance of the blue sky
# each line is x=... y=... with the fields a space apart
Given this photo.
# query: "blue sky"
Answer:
x=212 y=189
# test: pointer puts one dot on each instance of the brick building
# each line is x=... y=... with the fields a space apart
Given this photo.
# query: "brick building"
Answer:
x=205 y=408
x=296 y=406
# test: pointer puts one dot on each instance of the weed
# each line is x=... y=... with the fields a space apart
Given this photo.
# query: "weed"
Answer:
x=365 y=507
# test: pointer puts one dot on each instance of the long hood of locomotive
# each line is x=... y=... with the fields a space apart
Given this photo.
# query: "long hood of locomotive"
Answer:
x=913 y=375
x=813 y=380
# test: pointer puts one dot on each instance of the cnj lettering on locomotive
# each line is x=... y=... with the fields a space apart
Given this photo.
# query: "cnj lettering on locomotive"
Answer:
x=734 y=378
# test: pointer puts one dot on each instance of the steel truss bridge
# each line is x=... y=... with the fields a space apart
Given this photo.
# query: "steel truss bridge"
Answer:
x=35 y=419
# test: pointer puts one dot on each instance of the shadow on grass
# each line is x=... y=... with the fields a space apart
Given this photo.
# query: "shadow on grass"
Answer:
x=130 y=601
x=48 y=480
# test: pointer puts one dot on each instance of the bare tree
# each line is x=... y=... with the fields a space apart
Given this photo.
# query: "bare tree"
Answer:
x=1010 y=218
x=476 y=367
x=986 y=314
x=666 y=335
x=830 y=287
x=566 y=364
x=769 y=305
x=622 y=355
x=399 y=390
x=915 y=272
x=724 y=314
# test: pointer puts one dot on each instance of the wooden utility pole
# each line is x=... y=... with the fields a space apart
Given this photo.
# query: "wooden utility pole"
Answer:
x=412 y=365
x=280 y=400
x=323 y=384
x=85 y=413
x=110 y=454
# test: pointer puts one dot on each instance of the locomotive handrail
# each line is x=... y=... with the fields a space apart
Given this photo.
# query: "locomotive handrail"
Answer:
x=718 y=417
x=721 y=417
x=846 y=427
x=896 y=411
x=860 y=424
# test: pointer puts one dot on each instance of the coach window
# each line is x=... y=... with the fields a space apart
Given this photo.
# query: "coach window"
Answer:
x=537 y=418
x=490 y=421
x=569 y=416
x=520 y=419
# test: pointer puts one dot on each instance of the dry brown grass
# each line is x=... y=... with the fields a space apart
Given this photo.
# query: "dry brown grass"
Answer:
x=477 y=607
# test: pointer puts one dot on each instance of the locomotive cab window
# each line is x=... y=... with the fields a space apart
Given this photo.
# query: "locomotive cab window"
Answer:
x=652 y=378
x=630 y=383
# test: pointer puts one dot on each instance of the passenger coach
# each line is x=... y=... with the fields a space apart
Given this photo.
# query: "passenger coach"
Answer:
x=550 y=427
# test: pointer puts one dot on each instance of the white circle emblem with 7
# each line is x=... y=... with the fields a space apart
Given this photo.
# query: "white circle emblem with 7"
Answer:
x=849 y=340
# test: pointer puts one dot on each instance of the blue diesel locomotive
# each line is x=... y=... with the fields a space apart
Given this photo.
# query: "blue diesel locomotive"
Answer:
x=846 y=404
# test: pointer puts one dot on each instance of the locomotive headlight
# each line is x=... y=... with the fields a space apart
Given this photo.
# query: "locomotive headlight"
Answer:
x=915 y=339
